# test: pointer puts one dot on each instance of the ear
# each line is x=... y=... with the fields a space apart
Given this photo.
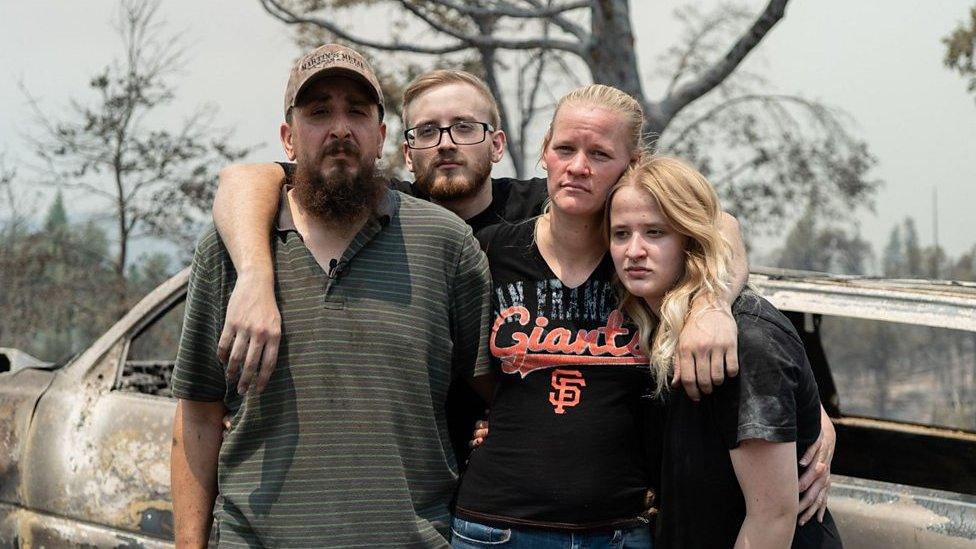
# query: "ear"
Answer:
x=407 y=160
x=498 y=140
x=637 y=156
x=379 y=148
x=286 y=140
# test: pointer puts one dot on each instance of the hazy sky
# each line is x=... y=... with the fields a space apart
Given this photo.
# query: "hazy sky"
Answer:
x=879 y=61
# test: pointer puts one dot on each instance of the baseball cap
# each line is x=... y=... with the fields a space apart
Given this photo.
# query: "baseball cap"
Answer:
x=331 y=59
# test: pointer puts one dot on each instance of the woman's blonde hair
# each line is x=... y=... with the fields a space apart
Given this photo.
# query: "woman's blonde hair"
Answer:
x=605 y=97
x=690 y=205
x=612 y=99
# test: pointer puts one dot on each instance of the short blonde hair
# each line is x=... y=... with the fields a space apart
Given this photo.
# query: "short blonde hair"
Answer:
x=691 y=206
x=612 y=99
x=442 y=77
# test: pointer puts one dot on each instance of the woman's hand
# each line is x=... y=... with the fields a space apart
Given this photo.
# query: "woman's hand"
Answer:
x=815 y=482
x=480 y=433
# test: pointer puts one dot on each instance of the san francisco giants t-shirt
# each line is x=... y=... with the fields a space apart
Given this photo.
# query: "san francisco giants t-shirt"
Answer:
x=565 y=449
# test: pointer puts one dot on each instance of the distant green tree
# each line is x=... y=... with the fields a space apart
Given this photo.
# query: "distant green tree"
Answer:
x=905 y=257
x=964 y=267
x=57 y=286
x=913 y=250
x=57 y=216
x=960 y=54
x=893 y=262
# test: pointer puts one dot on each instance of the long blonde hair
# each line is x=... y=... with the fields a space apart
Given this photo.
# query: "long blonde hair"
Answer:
x=691 y=207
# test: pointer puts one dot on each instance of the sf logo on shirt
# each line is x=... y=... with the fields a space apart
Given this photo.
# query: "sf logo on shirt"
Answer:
x=567 y=384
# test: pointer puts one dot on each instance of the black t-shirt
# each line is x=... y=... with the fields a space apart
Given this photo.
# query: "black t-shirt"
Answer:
x=566 y=444
x=774 y=398
x=512 y=201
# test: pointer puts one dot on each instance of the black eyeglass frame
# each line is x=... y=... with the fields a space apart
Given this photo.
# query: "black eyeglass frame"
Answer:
x=486 y=126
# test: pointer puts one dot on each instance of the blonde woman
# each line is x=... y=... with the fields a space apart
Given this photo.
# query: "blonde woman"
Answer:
x=730 y=461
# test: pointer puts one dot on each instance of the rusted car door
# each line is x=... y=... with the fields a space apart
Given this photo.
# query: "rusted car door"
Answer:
x=95 y=466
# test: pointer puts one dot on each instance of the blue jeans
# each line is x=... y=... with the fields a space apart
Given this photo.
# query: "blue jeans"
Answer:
x=472 y=535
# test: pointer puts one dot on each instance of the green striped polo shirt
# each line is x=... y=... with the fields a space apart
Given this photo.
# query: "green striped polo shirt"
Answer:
x=348 y=444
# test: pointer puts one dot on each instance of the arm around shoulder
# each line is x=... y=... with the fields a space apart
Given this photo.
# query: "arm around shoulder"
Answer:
x=245 y=208
x=739 y=267
x=707 y=346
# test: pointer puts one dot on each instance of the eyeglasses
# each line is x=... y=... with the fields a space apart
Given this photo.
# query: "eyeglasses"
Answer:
x=462 y=133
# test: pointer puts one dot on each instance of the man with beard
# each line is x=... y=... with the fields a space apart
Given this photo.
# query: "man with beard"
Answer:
x=384 y=300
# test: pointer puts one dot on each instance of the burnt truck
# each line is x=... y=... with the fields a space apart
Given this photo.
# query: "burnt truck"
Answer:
x=84 y=446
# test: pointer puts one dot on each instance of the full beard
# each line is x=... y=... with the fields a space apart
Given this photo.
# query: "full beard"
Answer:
x=457 y=186
x=341 y=196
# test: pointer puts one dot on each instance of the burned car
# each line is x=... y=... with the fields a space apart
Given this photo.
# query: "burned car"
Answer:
x=84 y=446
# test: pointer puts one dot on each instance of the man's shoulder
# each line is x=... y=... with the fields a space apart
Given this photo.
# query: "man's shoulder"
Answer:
x=211 y=260
x=403 y=186
x=532 y=184
x=417 y=211
x=210 y=247
x=518 y=199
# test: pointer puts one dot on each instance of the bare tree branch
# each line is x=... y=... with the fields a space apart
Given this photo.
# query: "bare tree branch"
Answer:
x=714 y=76
x=710 y=113
x=505 y=9
x=696 y=41
x=527 y=102
x=466 y=41
x=562 y=22
x=278 y=11
x=434 y=24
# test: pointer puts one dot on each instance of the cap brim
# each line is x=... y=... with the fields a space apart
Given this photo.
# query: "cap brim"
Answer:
x=339 y=71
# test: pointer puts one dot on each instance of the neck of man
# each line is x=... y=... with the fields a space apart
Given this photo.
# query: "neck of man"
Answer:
x=571 y=237
x=468 y=207
x=327 y=238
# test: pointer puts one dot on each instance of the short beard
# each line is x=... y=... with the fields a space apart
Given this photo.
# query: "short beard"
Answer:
x=341 y=198
x=453 y=188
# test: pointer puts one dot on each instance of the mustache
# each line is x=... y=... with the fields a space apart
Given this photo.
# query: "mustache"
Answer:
x=450 y=157
x=346 y=146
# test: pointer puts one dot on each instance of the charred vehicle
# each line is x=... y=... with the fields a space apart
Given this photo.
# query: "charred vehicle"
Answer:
x=84 y=446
